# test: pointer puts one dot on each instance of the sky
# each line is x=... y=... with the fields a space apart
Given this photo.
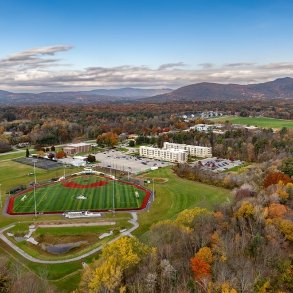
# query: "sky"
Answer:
x=61 y=45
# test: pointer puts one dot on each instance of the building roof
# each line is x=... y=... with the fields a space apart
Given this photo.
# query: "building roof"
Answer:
x=166 y=150
x=76 y=145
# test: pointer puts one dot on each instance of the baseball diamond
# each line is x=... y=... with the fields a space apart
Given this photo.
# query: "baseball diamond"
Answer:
x=80 y=193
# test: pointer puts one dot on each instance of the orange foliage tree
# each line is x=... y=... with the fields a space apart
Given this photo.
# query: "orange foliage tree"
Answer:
x=201 y=263
x=276 y=177
x=200 y=268
x=277 y=210
x=61 y=154
x=108 y=138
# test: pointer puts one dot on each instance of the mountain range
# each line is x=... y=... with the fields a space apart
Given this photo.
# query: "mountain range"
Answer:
x=279 y=88
x=205 y=91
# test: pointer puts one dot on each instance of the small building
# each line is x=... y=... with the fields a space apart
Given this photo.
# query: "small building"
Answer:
x=74 y=148
x=203 y=127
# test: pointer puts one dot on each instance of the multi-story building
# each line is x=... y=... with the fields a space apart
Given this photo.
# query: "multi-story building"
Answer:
x=192 y=150
x=171 y=155
x=74 y=148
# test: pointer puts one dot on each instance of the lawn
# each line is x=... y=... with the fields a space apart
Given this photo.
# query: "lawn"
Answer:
x=264 y=122
x=12 y=155
x=176 y=195
x=96 y=192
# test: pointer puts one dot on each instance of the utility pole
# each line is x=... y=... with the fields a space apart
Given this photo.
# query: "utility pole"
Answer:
x=35 y=187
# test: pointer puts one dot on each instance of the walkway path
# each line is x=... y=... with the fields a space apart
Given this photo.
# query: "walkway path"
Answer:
x=106 y=223
x=128 y=232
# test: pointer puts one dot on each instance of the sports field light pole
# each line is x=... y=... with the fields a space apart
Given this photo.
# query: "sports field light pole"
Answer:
x=0 y=196
x=64 y=167
x=153 y=189
x=128 y=172
x=35 y=187
x=113 y=195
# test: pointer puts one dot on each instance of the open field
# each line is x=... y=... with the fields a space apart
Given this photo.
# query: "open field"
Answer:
x=82 y=193
x=264 y=122
x=177 y=194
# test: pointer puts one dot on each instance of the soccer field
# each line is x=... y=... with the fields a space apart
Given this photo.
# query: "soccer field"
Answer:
x=82 y=193
x=265 y=122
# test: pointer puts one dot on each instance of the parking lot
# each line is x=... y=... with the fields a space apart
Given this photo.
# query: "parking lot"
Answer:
x=218 y=164
x=120 y=161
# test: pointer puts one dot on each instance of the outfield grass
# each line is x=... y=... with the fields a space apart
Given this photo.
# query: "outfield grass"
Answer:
x=58 y=197
x=264 y=122
x=176 y=195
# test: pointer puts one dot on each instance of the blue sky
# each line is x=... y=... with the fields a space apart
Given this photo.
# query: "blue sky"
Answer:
x=132 y=39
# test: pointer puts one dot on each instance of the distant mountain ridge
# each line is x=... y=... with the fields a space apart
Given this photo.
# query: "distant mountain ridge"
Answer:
x=79 y=97
x=205 y=91
x=279 y=88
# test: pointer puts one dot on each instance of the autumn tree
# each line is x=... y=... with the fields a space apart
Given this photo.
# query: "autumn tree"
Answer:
x=60 y=154
x=276 y=210
x=275 y=177
x=200 y=268
x=109 y=139
x=201 y=264
x=187 y=216
x=287 y=166
x=108 y=273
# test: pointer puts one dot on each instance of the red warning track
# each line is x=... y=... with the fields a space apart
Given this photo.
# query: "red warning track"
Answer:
x=71 y=184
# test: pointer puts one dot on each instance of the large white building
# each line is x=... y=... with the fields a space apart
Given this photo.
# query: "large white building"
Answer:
x=193 y=150
x=170 y=155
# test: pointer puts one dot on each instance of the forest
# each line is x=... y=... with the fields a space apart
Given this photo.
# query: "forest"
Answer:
x=48 y=124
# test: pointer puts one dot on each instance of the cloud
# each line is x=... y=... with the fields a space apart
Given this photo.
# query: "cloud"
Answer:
x=170 y=65
x=28 y=54
x=206 y=65
x=33 y=58
x=40 y=69
x=240 y=64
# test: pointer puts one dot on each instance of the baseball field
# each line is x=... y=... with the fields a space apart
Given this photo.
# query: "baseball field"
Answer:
x=80 y=193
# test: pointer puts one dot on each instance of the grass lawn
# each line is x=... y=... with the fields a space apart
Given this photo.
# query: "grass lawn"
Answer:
x=264 y=122
x=62 y=196
x=176 y=195
x=13 y=155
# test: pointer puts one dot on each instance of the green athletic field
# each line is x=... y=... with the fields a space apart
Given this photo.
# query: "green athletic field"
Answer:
x=62 y=196
x=264 y=122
